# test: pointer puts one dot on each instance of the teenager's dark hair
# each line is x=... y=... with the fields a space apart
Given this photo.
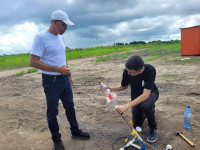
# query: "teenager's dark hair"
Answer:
x=135 y=63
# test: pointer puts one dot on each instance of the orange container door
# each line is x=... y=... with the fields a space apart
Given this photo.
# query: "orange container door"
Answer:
x=190 y=41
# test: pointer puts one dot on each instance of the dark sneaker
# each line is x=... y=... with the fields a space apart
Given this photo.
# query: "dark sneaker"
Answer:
x=59 y=146
x=56 y=140
x=79 y=134
x=152 y=137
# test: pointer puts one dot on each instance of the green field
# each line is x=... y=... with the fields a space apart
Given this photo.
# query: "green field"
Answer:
x=153 y=49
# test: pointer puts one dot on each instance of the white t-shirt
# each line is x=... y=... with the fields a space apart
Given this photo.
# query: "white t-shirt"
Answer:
x=51 y=50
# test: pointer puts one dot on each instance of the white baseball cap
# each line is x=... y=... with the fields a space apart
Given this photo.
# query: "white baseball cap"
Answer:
x=61 y=15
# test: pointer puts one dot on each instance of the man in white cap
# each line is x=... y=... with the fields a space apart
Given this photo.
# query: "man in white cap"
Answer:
x=48 y=55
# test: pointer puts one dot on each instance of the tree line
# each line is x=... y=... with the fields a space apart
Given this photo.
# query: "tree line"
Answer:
x=151 y=42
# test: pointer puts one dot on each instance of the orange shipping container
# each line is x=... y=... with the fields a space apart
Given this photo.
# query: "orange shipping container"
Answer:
x=190 y=41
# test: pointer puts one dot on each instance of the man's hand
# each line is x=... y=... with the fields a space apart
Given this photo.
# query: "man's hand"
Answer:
x=64 y=70
x=70 y=80
x=122 y=108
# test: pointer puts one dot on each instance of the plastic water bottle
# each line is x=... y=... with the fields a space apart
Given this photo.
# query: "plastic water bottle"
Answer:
x=104 y=89
x=187 y=118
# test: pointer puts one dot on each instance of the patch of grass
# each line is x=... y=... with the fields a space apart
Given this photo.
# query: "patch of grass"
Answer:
x=91 y=74
x=154 y=51
x=191 y=60
x=103 y=58
x=85 y=77
x=31 y=70
x=106 y=71
x=163 y=49
x=21 y=73
x=14 y=61
x=81 y=78
x=152 y=58
x=109 y=57
x=125 y=55
x=170 y=76
x=99 y=50
x=150 y=49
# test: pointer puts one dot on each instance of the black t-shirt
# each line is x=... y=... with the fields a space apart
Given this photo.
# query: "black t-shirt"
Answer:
x=139 y=82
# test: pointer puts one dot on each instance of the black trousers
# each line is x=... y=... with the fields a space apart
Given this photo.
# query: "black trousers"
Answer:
x=144 y=110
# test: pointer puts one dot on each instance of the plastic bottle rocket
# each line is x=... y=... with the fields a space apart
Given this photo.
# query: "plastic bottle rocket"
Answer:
x=111 y=99
x=104 y=89
x=187 y=118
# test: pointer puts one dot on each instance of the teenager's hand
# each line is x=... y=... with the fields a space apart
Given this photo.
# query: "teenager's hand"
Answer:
x=122 y=108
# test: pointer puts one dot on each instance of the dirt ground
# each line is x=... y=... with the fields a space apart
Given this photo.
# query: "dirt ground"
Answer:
x=23 y=124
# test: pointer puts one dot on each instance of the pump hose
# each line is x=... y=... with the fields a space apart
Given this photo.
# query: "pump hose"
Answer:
x=124 y=137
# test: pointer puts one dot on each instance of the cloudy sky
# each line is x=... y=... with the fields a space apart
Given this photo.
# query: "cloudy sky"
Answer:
x=97 y=22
